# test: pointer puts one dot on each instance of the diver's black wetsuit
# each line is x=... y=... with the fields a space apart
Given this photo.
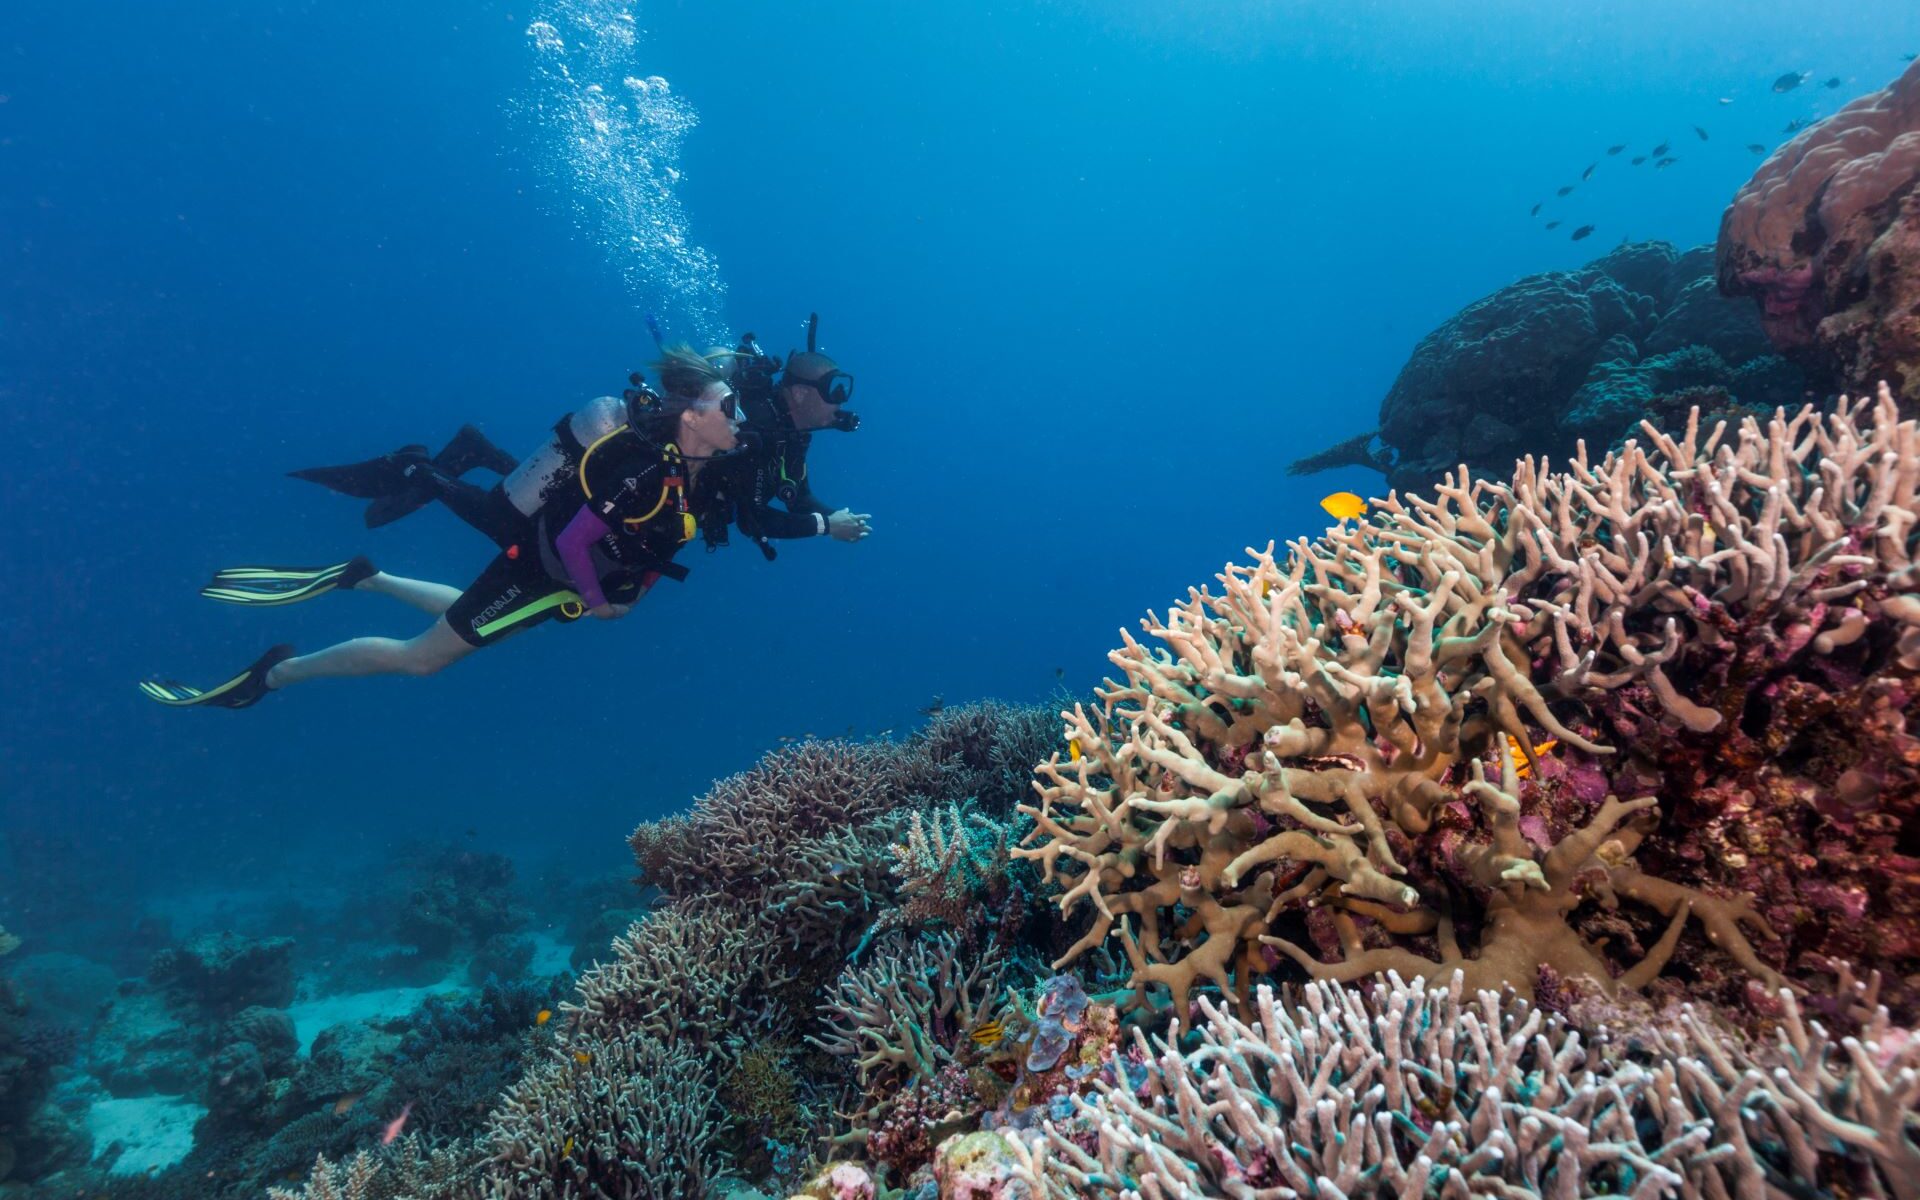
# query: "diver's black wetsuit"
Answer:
x=635 y=494
x=771 y=467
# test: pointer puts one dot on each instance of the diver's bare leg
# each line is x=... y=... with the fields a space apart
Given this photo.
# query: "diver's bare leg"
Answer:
x=438 y=647
x=434 y=598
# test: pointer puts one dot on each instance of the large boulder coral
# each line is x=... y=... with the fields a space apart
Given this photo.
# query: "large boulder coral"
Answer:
x=1565 y=355
x=1826 y=240
x=215 y=975
x=1346 y=746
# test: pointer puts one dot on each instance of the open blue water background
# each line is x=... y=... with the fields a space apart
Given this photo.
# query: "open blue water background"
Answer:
x=1102 y=270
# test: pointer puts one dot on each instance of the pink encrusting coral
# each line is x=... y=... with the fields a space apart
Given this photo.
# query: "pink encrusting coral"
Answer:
x=1343 y=754
x=1826 y=237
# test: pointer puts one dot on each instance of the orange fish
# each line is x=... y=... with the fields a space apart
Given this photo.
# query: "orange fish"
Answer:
x=1344 y=506
x=543 y=1016
x=1073 y=749
x=346 y=1102
x=394 y=1126
x=582 y=1057
x=1521 y=767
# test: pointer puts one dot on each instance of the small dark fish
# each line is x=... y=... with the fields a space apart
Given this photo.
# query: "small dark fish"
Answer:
x=1756 y=147
x=1662 y=148
x=1789 y=81
x=1795 y=125
x=473 y=833
x=1566 y=191
x=1553 y=224
x=1534 y=213
x=1909 y=57
x=1581 y=232
x=1613 y=150
x=1588 y=173
x=1665 y=162
x=1831 y=83
x=1701 y=132
x=1061 y=672
x=1638 y=159
x=934 y=709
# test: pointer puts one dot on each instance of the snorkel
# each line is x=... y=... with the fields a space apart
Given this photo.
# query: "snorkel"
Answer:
x=832 y=384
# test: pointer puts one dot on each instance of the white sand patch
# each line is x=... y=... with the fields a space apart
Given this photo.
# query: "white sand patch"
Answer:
x=312 y=1016
x=157 y=1131
x=550 y=956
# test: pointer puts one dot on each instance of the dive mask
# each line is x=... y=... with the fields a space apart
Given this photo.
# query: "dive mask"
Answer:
x=820 y=373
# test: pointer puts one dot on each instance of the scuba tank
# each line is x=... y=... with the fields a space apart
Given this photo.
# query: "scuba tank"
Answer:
x=553 y=465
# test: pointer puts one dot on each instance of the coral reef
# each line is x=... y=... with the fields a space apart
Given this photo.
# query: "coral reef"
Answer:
x=1564 y=355
x=216 y=975
x=1306 y=758
x=36 y=1137
x=1826 y=239
x=457 y=898
x=1411 y=1090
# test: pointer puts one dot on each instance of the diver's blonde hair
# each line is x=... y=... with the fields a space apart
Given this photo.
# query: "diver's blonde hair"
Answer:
x=684 y=373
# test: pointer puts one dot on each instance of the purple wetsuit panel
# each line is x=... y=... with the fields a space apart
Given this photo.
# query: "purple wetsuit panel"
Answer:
x=574 y=545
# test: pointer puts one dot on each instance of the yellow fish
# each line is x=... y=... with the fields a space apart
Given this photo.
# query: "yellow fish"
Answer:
x=582 y=1057
x=1344 y=506
x=989 y=1034
x=1521 y=767
x=543 y=1016
x=567 y=1147
x=1073 y=749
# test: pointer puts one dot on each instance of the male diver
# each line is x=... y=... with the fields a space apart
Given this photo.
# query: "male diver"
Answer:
x=594 y=546
x=784 y=407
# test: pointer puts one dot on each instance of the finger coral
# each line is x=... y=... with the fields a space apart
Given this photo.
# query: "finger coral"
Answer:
x=1304 y=756
x=1410 y=1090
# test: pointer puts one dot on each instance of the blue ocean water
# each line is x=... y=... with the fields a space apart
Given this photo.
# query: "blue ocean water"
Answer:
x=1102 y=270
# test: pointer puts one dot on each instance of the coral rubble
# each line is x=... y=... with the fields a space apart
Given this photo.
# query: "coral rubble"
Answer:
x=1826 y=239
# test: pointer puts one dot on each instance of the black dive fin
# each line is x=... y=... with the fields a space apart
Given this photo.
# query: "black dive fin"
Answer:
x=468 y=449
x=369 y=480
x=242 y=691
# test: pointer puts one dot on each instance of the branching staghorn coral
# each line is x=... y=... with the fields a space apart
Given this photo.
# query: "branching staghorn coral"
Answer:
x=1303 y=743
x=952 y=869
x=738 y=835
x=621 y=1116
x=1409 y=1090
x=352 y=1179
x=900 y=1016
x=678 y=976
x=982 y=751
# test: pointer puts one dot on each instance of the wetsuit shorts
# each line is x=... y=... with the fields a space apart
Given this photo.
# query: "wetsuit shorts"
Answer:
x=515 y=593
x=512 y=594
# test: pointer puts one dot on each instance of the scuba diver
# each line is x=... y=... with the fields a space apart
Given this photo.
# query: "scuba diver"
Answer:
x=594 y=546
x=782 y=414
x=810 y=395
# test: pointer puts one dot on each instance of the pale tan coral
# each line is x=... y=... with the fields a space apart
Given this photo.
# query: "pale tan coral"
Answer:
x=1291 y=727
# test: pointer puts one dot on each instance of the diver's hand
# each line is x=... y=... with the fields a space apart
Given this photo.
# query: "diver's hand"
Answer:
x=848 y=526
x=611 y=612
